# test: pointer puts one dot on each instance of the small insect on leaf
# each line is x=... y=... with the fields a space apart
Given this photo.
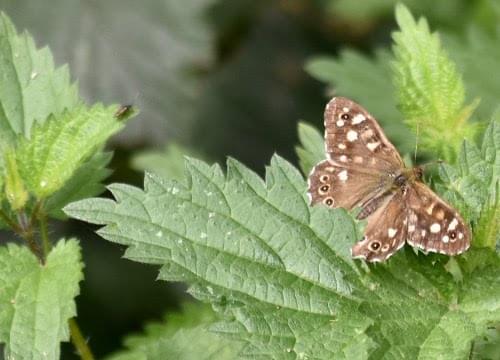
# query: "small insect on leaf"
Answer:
x=124 y=111
x=364 y=169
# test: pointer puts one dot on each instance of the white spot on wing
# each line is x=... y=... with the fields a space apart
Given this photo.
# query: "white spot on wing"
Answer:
x=345 y=109
x=372 y=146
x=453 y=224
x=352 y=135
x=445 y=239
x=435 y=228
x=460 y=236
x=343 y=158
x=391 y=232
x=341 y=146
x=411 y=228
x=343 y=175
x=358 y=119
x=340 y=123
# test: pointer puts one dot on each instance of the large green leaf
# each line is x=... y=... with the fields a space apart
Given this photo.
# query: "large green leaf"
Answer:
x=181 y=336
x=37 y=300
x=283 y=273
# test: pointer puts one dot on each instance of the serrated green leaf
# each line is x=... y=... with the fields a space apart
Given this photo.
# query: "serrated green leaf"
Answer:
x=430 y=91
x=168 y=163
x=365 y=79
x=85 y=182
x=311 y=149
x=282 y=272
x=15 y=190
x=30 y=87
x=472 y=185
x=180 y=336
x=57 y=148
x=178 y=37
x=37 y=300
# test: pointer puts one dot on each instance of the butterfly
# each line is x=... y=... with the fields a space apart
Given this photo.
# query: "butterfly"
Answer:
x=363 y=169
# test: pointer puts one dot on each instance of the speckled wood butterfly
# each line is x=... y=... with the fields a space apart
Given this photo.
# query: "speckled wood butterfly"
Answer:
x=364 y=169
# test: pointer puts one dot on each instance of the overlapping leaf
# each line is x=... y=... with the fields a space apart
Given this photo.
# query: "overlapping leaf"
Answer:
x=31 y=88
x=37 y=300
x=283 y=272
x=473 y=185
x=55 y=150
x=182 y=336
x=311 y=149
x=365 y=79
x=430 y=91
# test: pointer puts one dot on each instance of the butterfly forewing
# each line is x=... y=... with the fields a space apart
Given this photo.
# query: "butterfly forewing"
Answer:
x=354 y=139
x=433 y=225
x=337 y=186
x=364 y=169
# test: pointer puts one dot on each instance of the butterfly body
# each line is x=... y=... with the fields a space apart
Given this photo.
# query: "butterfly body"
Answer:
x=363 y=169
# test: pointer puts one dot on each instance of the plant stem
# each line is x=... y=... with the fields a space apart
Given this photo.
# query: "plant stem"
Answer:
x=15 y=227
x=78 y=341
x=44 y=233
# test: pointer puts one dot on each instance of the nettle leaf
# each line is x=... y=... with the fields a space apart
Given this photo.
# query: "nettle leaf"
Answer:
x=281 y=271
x=180 y=336
x=476 y=53
x=430 y=91
x=365 y=80
x=85 y=182
x=473 y=185
x=167 y=163
x=311 y=149
x=37 y=300
x=56 y=149
x=31 y=88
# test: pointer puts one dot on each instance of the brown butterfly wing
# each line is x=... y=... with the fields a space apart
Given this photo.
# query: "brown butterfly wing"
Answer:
x=353 y=138
x=433 y=225
x=385 y=232
x=337 y=186
x=361 y=161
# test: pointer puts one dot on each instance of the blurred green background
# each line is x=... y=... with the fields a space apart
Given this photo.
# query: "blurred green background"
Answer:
x=220 y=78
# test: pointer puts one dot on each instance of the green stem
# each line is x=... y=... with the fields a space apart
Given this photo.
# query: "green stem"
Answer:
x=26 y=231
x=44 y=233
x=79 y=342
x=15 y=227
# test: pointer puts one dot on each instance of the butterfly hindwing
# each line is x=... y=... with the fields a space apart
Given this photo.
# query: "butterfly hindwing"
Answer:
x=385 y=232
x=433 y=225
